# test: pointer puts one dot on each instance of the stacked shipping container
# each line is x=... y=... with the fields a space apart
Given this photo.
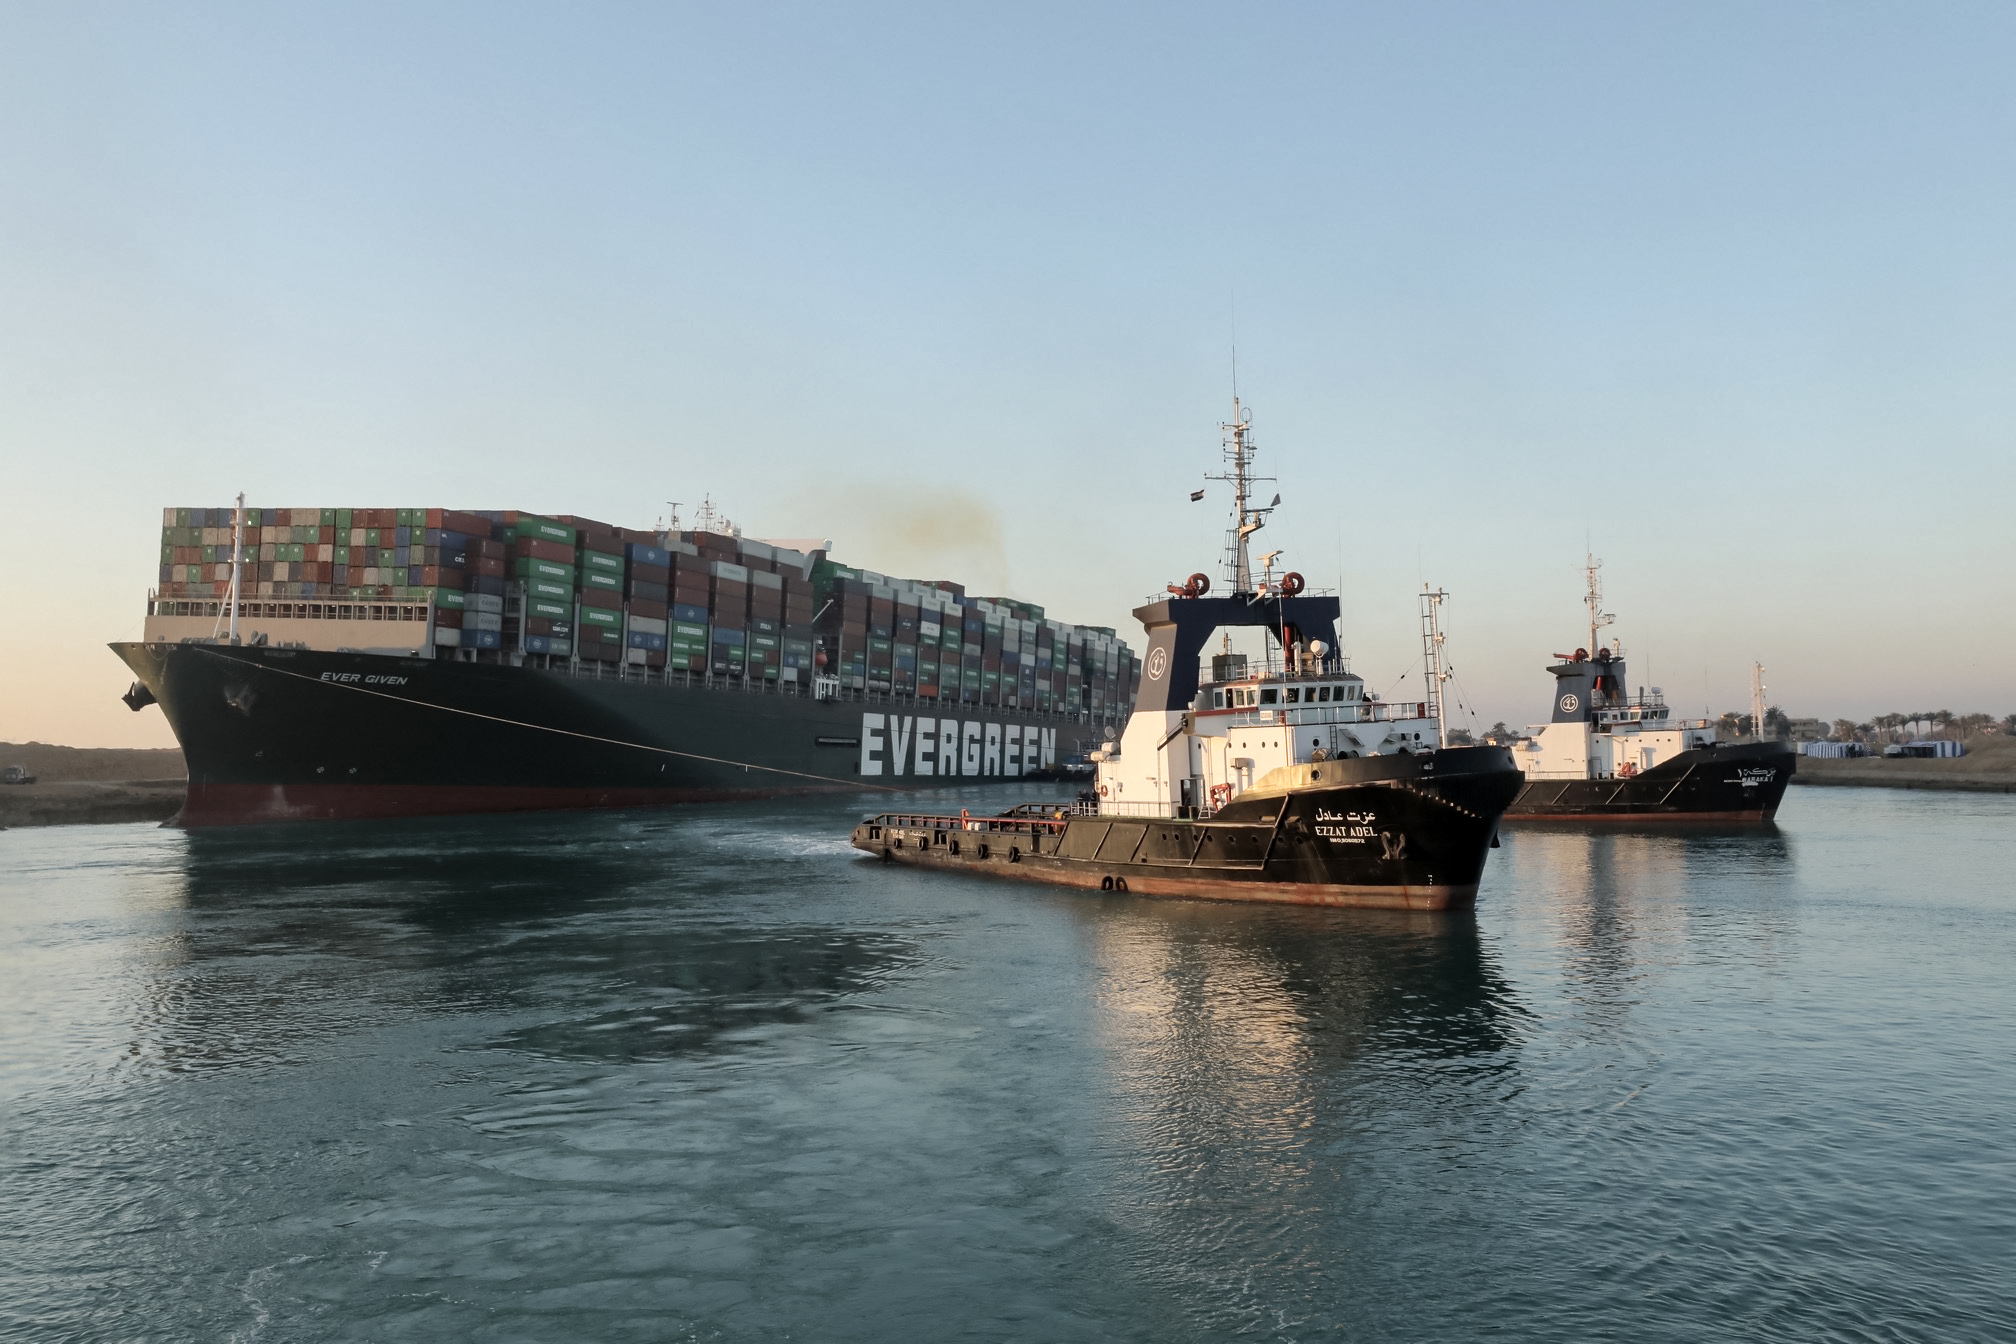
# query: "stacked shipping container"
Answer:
x=501 y=584
x=932 y=641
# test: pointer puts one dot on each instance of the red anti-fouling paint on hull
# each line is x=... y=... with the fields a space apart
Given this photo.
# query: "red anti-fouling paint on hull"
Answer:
x=253 y=804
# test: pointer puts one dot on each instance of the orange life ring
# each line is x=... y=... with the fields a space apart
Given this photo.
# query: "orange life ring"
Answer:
x=1291 y=584
x=1219 y=793
x=1102 y=790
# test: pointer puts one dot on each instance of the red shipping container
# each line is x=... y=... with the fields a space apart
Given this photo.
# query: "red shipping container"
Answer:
x=469 y=524
x=644 y=606
x=650 y=573
x=600 y=597
x=538 y=625
x=487 y=565
x=537 y=548
x=654 y=658
x=447 y=618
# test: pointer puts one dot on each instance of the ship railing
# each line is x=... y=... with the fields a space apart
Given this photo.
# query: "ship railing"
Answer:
x=939 y=821
x=1155 y=811
x=1366 y=711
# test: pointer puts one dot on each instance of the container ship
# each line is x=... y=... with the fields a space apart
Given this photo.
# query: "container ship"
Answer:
x=323 y=664
x=1285 y=782
x=1614 y=755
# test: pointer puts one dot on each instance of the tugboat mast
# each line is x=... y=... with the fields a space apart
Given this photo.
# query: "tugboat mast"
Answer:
x=1598 y=618
x=1246 y=520
x=1431 y=657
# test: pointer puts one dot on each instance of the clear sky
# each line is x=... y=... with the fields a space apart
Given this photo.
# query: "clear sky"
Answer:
x=1725 y=291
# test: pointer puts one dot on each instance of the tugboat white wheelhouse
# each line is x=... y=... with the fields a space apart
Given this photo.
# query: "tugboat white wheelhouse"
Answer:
x=1285 y=783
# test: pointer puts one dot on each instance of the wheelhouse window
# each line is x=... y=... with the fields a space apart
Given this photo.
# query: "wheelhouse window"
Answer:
x=1270 y=696
x=1293 y=695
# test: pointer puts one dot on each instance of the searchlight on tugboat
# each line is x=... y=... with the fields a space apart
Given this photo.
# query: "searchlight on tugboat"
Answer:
x=1286 y=782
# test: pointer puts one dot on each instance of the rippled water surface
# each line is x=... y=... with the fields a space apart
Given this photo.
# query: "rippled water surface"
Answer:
x=707 y=1074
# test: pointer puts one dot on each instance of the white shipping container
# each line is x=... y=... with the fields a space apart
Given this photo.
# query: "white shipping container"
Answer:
x=650 y=625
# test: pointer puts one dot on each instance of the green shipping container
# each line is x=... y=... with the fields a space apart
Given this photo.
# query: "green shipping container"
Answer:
x=596 y=578
x=550 y=590
x=448 y=599
x=558 y=609
x=530 y=525
x=529 y=568
x=597 y=560
x=342 y=518
x=610 y=620
x=682 y=630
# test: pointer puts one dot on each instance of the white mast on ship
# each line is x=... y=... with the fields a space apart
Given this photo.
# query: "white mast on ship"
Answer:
x=1431 y=657
x=1246 y=520
x=1598 y=618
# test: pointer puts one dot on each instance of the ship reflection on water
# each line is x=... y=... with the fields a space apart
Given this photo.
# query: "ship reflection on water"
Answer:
x=1624 y=905
x=1268 y=1071
x=569 y=929
x=707 y=1073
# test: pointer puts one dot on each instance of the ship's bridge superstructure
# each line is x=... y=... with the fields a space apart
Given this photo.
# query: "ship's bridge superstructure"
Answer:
x=1600 y=730
x=1194 y=742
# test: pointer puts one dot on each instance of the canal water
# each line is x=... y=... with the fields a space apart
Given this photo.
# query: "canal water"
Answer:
x=707 y=1074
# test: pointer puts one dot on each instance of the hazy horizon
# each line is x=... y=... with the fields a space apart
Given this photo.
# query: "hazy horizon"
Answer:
x=1720 y=294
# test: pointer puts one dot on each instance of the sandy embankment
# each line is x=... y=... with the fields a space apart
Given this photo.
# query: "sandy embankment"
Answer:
x=1988 y=767
x=76 y=785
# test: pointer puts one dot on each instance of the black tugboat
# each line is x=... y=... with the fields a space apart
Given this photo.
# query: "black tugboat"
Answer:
x=1287 y=784
x=1614 y=756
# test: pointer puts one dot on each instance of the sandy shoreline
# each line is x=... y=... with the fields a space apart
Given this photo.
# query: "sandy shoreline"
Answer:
x=1990 y=768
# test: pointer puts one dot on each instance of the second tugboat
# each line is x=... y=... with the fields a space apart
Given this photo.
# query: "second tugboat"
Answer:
x=1609 y=755
x=1286 y=784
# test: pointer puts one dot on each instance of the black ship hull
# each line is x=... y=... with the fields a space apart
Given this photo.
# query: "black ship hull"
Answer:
x=1739 y=783
x=273 y=734
x=1398 y=832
